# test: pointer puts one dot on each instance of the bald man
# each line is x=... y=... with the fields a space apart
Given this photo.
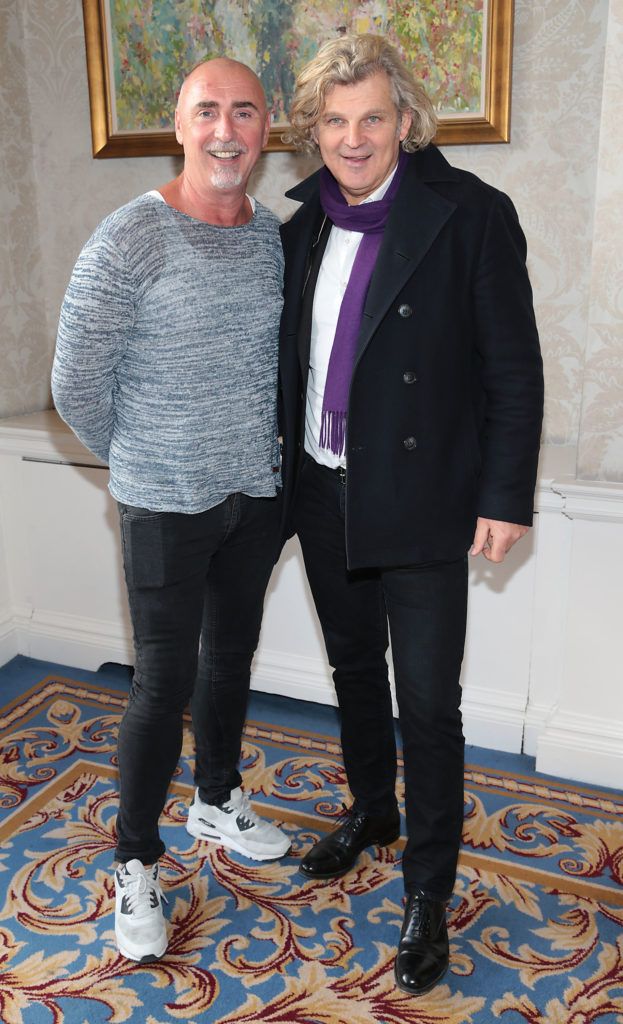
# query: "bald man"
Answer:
x=166 y=368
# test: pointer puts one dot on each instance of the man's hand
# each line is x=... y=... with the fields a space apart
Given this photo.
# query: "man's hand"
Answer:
x=494 y=539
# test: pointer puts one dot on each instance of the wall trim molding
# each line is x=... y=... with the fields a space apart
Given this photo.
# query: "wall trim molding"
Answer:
x=547 y=500
x=582 y=746
x=293 y=676
x=9 y=640
x=489 y=717
x=568 y=745
x=493 y=716
x=535 y=723
x=72 y=640
x=43 y=436
x=590 y=499
x=560 y=490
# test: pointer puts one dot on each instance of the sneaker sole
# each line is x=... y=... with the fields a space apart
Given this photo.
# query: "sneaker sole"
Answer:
x=386 y=840
x=147 y=958
x=231 y=844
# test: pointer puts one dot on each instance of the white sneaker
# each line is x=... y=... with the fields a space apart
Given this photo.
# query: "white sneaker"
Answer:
x=140 y=927
x=236 y=825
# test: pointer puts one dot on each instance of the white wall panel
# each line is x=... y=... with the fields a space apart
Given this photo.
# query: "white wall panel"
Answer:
x=542 y=669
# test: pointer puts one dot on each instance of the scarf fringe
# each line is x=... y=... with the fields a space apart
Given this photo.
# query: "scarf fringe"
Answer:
x=333 y=431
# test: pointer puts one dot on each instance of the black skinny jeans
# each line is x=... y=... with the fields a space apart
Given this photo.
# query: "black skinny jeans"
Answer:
x=425 y=606
x=196 y=586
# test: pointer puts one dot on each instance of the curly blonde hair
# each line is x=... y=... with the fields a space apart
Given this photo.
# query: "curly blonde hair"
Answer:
x=347 y=60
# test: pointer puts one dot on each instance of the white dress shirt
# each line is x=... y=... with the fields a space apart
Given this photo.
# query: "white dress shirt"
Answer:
x=333 y=276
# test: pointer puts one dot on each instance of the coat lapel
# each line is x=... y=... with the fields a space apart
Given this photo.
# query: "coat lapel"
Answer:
x=418 y=215
x=299 y=234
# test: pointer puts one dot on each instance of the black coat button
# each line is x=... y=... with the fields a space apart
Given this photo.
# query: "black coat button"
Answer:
x=409 y=377
x=410 y=443
x=404 y=310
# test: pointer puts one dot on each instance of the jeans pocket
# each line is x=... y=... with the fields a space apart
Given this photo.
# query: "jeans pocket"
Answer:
x=142 y=542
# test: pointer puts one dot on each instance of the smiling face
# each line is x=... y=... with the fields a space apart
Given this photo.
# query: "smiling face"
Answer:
x=222 y=122
x=359 y=133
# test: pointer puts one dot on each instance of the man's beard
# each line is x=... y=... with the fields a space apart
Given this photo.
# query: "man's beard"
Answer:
x=226 y=177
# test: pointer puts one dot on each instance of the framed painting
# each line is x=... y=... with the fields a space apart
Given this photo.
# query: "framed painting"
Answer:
x=137 y=55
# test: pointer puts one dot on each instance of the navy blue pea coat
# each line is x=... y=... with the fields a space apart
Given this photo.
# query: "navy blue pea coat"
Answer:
x=446 y=397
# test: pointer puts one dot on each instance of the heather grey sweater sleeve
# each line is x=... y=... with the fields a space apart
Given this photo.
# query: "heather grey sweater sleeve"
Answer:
x=96 y=318
x=166 y=359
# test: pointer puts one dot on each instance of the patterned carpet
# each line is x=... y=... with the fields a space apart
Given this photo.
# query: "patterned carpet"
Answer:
x=536 y=919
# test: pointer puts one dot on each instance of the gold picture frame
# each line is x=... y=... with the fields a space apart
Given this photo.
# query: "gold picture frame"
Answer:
x=489 y=124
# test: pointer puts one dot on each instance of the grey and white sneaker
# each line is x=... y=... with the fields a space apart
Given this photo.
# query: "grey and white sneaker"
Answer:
x=140 y=928
x=235 y=824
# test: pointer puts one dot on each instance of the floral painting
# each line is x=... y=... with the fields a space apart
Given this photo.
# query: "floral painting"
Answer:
x=148 y=47
x=154 y=44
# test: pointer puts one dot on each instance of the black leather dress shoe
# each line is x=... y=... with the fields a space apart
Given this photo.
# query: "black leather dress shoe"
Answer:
x=336 y=853
x=423 y=953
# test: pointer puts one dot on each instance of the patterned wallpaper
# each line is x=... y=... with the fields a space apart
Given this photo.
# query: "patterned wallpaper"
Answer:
x=549 y=168
x=601 y=430
x=24 y=349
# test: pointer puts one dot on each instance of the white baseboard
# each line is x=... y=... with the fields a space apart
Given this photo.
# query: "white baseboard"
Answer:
x=535 y=724
x=493 y=718
x=9 y=641
x=490 y=718
x=72 y=640
x=565 y=745
x=583 y=748
x=292 y=675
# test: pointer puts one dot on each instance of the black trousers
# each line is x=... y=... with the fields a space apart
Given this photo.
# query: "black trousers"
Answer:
x=425 y=608
x=196 y=586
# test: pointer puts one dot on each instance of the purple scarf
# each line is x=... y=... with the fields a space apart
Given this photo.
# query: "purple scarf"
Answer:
x=369 y=218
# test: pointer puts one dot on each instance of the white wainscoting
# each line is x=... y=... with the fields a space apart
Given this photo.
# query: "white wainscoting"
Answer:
x=543 y=662
x=9 y=643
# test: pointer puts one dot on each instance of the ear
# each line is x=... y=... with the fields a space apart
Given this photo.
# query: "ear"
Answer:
x=178 y=127
x=266 y=129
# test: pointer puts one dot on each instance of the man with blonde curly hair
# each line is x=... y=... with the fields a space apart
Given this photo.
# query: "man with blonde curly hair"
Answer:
x=411 y=390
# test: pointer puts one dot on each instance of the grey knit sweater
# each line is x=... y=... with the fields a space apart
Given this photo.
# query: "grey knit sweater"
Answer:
x=166 y=358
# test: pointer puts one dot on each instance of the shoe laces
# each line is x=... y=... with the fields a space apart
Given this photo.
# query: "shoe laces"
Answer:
x=138 y=890
x=243 y=810
x=419 y=917
x=351 y=820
